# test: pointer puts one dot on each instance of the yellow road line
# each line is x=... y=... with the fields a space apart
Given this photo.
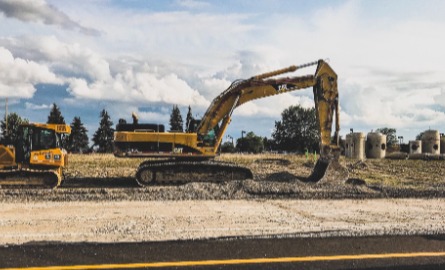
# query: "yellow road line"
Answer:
x=238 y=261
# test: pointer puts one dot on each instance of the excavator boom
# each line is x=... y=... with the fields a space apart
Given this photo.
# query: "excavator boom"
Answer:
x=324 y=83
x=242 y=91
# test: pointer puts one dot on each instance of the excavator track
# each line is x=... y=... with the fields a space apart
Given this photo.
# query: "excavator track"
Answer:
x=29 y=178
x=172 y=171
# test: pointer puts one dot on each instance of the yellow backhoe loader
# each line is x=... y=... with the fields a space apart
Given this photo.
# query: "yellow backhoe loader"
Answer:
x=188 y=157
x=36 y=158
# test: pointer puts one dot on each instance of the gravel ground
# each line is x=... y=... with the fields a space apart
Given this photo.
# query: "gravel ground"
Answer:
x=101 y=202
x=132 y=221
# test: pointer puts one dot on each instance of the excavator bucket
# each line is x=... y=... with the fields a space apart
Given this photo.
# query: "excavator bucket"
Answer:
x=328 y=169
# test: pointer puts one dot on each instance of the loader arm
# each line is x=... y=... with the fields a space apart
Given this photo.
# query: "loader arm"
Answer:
x=324 y=84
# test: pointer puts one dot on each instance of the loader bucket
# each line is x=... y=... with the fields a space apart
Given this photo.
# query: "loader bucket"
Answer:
x=328 y=169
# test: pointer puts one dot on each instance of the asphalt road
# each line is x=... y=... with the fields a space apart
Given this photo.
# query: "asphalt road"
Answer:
x=397 y=252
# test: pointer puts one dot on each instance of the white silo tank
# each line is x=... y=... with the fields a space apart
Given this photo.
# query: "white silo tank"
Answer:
x=376 y=145
x=431 y=142
x=415 y=147
x=355 y=145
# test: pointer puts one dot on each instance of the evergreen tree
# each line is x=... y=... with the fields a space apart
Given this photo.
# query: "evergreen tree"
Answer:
x=14 y=120
x=297 y=131
x=55 y=116
x=78 y=139
x=189 y=121
x=103 y=138
x=176 y=123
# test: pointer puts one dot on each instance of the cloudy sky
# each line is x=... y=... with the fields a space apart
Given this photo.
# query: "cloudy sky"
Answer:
x=145 y=56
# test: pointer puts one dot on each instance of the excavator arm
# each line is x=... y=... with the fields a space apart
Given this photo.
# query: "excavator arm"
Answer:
x=324 y=83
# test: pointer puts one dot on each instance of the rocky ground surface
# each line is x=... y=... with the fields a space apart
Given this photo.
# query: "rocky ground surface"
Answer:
x=133 y=221
x=101 y=202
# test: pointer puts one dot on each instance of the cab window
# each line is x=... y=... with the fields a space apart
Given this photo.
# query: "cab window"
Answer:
x=44 y=139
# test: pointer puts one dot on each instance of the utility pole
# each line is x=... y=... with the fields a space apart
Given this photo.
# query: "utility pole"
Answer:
x=6 y=115
x=230 y=137
x=241 y=143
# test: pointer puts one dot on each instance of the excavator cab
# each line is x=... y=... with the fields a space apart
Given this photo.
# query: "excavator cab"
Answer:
x=209 y=139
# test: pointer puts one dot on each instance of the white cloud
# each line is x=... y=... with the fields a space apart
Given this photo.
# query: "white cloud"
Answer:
x=19 y=76
x=124 y=111
x=390 y=71
x=138 y=87
x=69 y=59
x=32 y=106
x=203 y=40
x=273 y=106
x=154 y=117
x=192 y=4
x=41 y=11
x=89 y=76
x=390 y=67
x=395 y=106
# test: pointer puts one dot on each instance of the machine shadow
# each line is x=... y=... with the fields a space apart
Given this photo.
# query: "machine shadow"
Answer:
x=107 y=182
x=284 y=176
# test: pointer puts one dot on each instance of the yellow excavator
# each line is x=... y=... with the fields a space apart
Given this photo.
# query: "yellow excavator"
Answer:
x=189 y=157
x=35 y=158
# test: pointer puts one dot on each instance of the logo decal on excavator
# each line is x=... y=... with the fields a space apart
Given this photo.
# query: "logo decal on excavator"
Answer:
x=282 y=87
x=61 y=128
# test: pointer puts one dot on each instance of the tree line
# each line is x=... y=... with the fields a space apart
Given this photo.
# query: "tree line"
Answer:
x=297 y=131
x=76 y=142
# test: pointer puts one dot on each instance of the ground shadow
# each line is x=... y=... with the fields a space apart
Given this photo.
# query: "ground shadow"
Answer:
x=283 y=177
x=107 y=182
x=276 y=161
x=438 y=237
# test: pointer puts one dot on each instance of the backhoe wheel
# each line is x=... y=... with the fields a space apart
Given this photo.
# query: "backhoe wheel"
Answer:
x=145 y=177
